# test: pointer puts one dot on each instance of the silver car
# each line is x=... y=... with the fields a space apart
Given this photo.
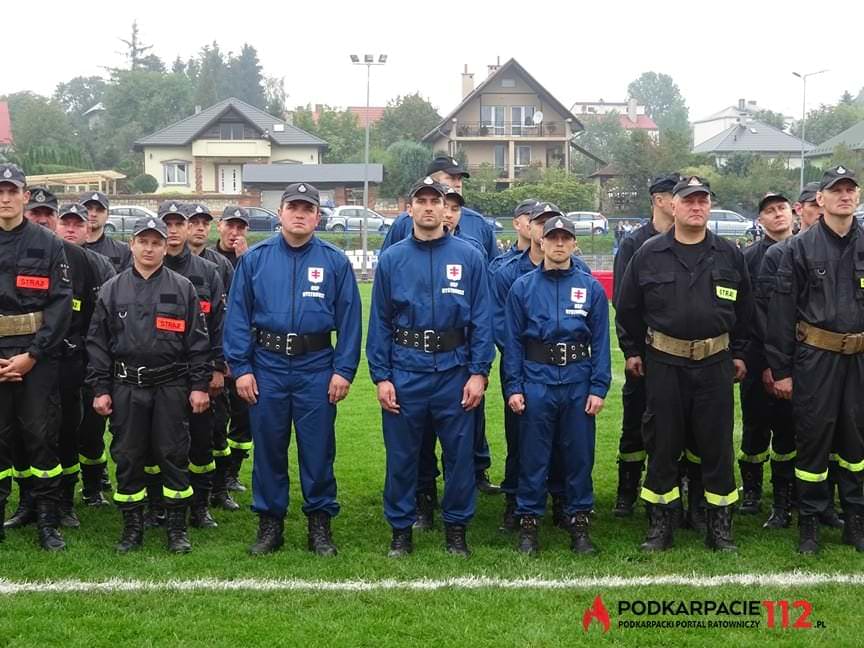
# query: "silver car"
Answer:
x=729 y=223
x=121 y=218
x=587 y=223
x=349 y=218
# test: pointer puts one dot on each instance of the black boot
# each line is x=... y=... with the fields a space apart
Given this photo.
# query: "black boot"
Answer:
x=68 y=518
x=629 y=473
x=133 y=530
x=199 y=515
x=659 y=537
x=830 y=518
x=484 y=485
x=401 y=545
x=426 y=502
x=91 y=486
x=529 y=532
x=580 y=542
x=781 y=511
x=320 y=540
x=853 y=530
x=220 y=496
x=808 y=534
x=696 y=506
x=178 y=536
x=155 y=515
x=454 y=540
x=232 y=473
x=270 y=535
x=751 y=480
x=47 y=521
x=25 y=514
x=509 y=522
x=719 y=535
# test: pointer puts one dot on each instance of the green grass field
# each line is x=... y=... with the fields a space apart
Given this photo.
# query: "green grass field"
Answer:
x=482 y=616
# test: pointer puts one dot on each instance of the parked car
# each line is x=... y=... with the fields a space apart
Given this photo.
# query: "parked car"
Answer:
x=349 y=218
x=262 y=220
x=589 y=222
x=495 y=223
x=725 y=222
x=121 y=218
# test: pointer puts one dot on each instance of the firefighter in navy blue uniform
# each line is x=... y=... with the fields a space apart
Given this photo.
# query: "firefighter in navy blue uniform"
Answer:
x=149 y=359
x=35 y=303
x=430 y=350
x=118 y=253
x=557 y=371
x=521 y=214
x=200 y=221
x=820 y=291
x=502 y=281
x=631 y=449
x=204 y=275
x=685 y=306
x=290 y=293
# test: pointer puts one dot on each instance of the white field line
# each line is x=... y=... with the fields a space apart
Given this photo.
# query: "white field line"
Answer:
x=785 y=579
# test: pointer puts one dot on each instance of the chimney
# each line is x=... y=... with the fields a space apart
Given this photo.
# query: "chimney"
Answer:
x=632 y=106
x=197 y=109
x=467 y=82
x=492 y=69
x=742 y=104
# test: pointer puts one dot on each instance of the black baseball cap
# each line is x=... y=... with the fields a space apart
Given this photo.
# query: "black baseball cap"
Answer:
x=690 y=185
x=427 y=183
x=808 y=193
x=525 y=207
x=664 y=183
x=448 y=165
x=172 y=208
x=95 y=196
x=545 y=209
x=12 y=173
x=771 y=197
x=835 y=175
x=234 y=212
x=73 y=209
x=301 y=191
x=562 y=224
x=41 y=197
x=452 y=193
x=198 y=209
x=147 y=224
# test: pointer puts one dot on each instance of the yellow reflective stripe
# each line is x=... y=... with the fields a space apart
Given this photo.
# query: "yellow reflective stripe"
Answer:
x=762 y=457
x=134 y=497
x=46 y=474
x=5 y=474
x=152 y=470
x=851 y=467
x=200 y=470
x=783 y=457
x=658 y=498
x=245 y=445
x=222 y=453
x=21 y=474
x=72 y=470
x=87 y=461
x=721 y=500
x=632 y=456
x=833 y=457
x=76 y=305
x=692 y=458
x=174 y=494
x=811 y=477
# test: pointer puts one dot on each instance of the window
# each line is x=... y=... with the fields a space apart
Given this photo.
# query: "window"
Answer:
x=493 y=118
x=523 y=156
x=176 y=173
x=500 y=157
x=230 y=131
x=522 y=116
x=508 y=83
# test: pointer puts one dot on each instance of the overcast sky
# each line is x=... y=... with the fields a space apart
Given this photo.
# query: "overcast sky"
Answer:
x=717 y=52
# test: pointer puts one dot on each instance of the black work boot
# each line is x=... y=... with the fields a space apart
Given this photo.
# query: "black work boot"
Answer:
x=178 y=536
x=509 y=522
x=454 y=540
x=558 y=518
x=155 y=515
x=25 y=514
x=68 y=518
x=270 y=535
x=484 y=485
x=401 y=545
x=629 y=473
x=47 y=521
x=853 y=530
x=232 y=473
x=580 y=542
x=133 y=530
x=91 y=486
x=529 y=532
x=426 y=502
x=719 y=534
x=830 y=518
x=751 y=481
x=696 y=506
x=781 y=510
x=808 y=534
x=320 y=539
x=220 y=496
x=660 y=533
x=199 y=515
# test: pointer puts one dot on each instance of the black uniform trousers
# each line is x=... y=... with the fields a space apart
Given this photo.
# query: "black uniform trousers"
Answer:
x=829 y=417
x=91 y=435
x=151 y=424
x=767 y=421
x=72 y=369
x=220 y=424
x=631 y=447
x=689 y=410
x=239 y=429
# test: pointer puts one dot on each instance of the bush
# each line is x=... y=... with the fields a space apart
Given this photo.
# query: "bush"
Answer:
x=144 y=183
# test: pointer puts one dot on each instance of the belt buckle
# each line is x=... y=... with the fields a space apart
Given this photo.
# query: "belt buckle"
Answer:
x=427 y=342
x=697 y=349
x=138 y=377
x=289 y=343
x=123 y=369
x=561 y=349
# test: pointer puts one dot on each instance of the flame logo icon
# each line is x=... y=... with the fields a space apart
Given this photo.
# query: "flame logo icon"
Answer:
x=597 y=612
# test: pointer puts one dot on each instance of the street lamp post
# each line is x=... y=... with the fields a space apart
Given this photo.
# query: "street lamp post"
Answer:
x=368 y=61
x=803 y=78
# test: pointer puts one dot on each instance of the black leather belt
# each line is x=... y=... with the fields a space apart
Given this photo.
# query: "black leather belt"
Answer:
x=292 y=344
x=149 y=376
x=556 y=353
x=430 y=341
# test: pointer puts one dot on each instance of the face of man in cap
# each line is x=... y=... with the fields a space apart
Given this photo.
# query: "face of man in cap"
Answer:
x=44 y=216
x=178 y=231
x=427 y=209
x=558 y=246
x=148 y=250
x=97 y=214
x=12 y=202
x=840 y=199
x=448 y=180
x=692 y=211
x=298 y=218
x=452 y=212
x=809 y=213
x=73 y=229
x=199 y=230
x=776 y=218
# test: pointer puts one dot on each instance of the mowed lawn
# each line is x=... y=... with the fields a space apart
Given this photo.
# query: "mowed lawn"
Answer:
x=450 y=616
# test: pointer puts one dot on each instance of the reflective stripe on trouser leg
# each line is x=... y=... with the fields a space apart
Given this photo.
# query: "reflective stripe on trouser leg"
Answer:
x=130 y=498
x=716 y=499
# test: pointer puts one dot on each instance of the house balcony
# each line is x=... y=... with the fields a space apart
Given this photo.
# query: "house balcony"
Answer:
x=255 y=148
x=554 y=131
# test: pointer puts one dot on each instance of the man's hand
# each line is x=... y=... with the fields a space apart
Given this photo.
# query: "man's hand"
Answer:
x=634 y=366
x=783 y=388
x=240 y=245
x=247 y=388
x=338 y=388
x=200 y=401
x=4 y=375
x=217 y=383
x=594 y=405
x=740 y=370
x=768 y=382
x=15 y=368
x=387 y=397
x=472 y=392
x=516 y=403
x=102 y=405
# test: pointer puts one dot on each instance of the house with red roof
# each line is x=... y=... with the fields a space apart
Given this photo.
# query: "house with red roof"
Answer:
x=631 y=116
x=5 y=127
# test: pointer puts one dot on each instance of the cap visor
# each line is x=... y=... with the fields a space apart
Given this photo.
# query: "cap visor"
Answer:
x=150 y=229
x=836 y=180
x=689 y=191
x=12 y=181
x=301 y=197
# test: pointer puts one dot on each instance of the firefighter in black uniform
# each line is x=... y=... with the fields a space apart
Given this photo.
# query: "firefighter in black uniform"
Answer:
x=684 y=305
x=631 y=449
x=820 y=291
x=149 y=360
x=204 y=275
x=35 y=304
x=97 y=240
